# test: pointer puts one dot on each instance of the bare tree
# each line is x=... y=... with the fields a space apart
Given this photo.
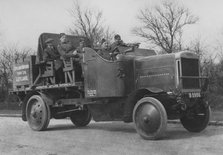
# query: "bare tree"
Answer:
x=8 y=56
x=89 y=23
x=200 y=48
x=163 y=25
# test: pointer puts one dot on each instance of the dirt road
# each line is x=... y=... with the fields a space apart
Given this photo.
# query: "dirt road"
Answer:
x=103 y=138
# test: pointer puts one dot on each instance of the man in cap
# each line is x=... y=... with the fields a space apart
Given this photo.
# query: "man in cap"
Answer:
x=51 y=54
x=104 y=50
x=117 y=41
x=114 y=46
x=78 y=56
x=79 y=49
x=65 y=48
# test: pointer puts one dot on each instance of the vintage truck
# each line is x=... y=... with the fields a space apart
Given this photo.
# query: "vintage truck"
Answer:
x=138 y=86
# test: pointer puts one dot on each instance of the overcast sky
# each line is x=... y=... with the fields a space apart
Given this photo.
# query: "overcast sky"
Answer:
x=22 y=21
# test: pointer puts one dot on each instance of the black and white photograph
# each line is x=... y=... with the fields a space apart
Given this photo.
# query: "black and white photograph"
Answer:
x=111 y=77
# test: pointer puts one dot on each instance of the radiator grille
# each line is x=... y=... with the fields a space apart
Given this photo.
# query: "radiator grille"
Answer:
x=190 y=67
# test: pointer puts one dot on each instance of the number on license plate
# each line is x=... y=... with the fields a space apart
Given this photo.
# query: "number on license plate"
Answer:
x=194 y=95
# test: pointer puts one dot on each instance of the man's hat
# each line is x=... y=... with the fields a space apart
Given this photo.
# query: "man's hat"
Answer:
x=62 y=34
x=82 y=40
x=63 y=38
x=117 y=36
x=49 y=40
x=103 y=40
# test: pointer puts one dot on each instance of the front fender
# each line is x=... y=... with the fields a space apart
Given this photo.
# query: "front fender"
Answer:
x=154 y=90
x=134 y=97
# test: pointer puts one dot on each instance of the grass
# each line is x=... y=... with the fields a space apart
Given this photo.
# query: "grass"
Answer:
x=215 y=101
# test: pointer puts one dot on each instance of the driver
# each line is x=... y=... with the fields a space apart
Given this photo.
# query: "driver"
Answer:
x=117 y=42
x=105 y=50
x=114 y=46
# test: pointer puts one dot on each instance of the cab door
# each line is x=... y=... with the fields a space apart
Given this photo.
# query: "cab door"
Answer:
x=101 y=77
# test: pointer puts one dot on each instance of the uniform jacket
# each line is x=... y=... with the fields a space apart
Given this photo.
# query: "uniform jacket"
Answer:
x=51 y=54
x=65 y=49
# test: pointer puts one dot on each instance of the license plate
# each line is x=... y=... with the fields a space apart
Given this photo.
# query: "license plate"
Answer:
x=194 y=95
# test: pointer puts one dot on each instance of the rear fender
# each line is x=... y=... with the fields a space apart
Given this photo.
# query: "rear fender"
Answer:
x=46 y=98
x=24 y=103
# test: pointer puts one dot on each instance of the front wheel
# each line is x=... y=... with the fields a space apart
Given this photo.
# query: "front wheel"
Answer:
x=150 y=118
x=81 y=118
x=38 y=113
x=196 y=120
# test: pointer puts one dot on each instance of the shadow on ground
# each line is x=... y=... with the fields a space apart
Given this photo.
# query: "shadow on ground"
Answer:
x=106 y=126
x=173 y=132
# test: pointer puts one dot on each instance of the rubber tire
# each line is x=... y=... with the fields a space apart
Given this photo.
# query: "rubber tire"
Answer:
x=81 y=118
x=45 y=114
x=161 y=112
x=194 y=125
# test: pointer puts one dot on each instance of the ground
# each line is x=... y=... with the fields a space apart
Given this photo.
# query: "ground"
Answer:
x=103 y=138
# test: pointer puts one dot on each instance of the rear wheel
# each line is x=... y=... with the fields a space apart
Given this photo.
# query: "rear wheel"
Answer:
x=81 y=118
x=150 y=118
x=38 y=113
x=196 y=120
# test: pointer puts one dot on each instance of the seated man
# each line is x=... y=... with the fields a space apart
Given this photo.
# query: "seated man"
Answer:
x=117 y=42
x=77 y=57
x=103 y=41
x=65 y=48
x=114 y=46
x=79 y=49
x=51 y=54
x=104 y=50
